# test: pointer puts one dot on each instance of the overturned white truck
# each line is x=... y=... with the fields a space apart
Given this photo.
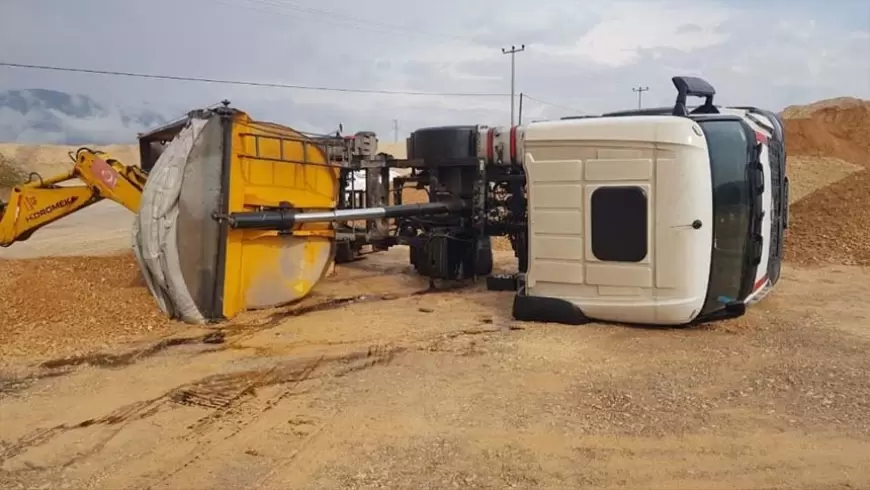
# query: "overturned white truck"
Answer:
x=660 y=216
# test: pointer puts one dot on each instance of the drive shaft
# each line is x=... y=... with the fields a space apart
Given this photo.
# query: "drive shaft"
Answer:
x=282 y=219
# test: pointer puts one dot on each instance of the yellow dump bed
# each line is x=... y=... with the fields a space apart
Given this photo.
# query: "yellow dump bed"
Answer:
x=223 y=162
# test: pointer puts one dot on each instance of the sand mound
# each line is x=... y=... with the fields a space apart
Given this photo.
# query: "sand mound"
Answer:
x=827 y=139
x=10 y=176
x=841 y=131
x=48 y=160
x=811 y=110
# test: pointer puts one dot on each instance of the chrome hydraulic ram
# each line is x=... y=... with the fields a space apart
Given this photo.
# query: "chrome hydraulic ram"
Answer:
x=284 y=219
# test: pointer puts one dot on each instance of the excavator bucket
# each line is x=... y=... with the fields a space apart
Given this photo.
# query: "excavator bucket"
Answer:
x=218 y=162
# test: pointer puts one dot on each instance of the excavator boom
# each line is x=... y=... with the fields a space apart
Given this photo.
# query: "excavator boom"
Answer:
x=40 y=202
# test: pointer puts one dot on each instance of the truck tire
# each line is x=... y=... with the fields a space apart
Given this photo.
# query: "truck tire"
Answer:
x=483 y=261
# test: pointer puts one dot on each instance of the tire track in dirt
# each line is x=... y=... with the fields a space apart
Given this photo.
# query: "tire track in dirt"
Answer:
x=229 y=399
x=219 y=448
x=221 y=337
x=228 y=423
x=231 y=402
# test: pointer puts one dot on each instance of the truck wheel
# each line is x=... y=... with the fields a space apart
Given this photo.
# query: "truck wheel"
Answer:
x=483 y=257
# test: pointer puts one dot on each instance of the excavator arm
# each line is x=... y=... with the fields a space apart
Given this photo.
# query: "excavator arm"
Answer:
x=40 y=202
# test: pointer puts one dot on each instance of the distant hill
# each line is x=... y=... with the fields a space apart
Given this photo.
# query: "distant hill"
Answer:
x=49 y=116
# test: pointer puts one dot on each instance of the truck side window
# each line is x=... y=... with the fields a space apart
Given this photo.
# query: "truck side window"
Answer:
x=619 y=224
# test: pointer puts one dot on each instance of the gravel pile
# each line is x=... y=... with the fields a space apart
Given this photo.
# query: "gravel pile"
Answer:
x=56 y=307
x=832 y=223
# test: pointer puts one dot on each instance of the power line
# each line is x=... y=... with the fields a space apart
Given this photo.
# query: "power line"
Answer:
x=558 y=106
x=246 y=83
x=274 y=85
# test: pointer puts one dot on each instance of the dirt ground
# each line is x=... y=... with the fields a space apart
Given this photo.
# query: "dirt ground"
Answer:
x=443 y=390
x=375 y=382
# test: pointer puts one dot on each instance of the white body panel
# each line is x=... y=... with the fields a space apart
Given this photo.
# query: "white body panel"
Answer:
x=766 y=206
x=566 y=161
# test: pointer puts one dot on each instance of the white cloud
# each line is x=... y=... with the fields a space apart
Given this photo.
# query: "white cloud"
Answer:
x=634 y=26
x=52 y=126
x=583 y=55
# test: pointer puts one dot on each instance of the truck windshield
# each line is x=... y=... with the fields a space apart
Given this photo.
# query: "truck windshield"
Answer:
x=728 y=147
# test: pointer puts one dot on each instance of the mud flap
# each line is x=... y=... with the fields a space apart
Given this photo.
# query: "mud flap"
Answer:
x=544 y=309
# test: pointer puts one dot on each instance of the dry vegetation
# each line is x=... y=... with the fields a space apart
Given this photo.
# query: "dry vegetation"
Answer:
x=398 y=390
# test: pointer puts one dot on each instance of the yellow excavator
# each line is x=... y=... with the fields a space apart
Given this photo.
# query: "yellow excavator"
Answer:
x=40 y=202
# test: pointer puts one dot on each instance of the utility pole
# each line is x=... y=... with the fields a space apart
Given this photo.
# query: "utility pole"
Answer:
x=640 y=90
x=513 y=52
x=396 y=130
x=521 y=109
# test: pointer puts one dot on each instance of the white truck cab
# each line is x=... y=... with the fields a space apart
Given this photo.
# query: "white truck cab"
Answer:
x=661 y=216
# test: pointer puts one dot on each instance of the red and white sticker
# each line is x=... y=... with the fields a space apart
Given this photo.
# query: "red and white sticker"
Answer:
x=105 y=173
x=30 y=202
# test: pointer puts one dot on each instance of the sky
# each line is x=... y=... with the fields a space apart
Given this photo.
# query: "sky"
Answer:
x=581 y=57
